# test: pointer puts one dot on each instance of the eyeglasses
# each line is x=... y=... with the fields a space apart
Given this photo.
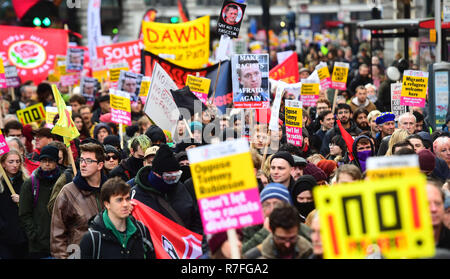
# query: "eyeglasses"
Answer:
x=114 y=157
x=292 y=239
x=87 y=161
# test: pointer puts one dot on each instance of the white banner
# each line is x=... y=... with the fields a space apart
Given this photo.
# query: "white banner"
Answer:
x=94 y=26
x=160 y=106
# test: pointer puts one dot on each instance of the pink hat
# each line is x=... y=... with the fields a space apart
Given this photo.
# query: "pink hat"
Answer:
x=106 y=118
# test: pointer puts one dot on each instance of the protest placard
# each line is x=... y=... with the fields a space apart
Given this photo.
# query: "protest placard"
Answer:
x=293 y=122
x=414 y=88
x=392 y=166
x=120 y=107
x=250 y=75
x=396 y=108
x=2 y=75
x=145 y=86
x=50 y=113
x=75 y=59
x=128 y=51
x=188 y=42
x=273 y=123
x=130 y=82
x=227 y=195
x=339 y=77
x=441 y=97
x=34 y=113
x=309 y=92
x=12 y=77
x=88 y=88
x=114 y=71
x=230 y=18
x=199 y=86
x=160 y=106
x=4 y=148
x=324 y=75
x=390 y=213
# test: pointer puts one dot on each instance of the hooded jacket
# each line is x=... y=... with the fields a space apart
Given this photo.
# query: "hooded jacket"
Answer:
x=353 y=130
x=100 y=126
x=303 y=249
x=75 y=205
x=178 y=198
x=109 y=246
x=356 y=161
x=368 y=105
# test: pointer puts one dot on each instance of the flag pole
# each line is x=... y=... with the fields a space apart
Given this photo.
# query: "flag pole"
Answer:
x=233 y=240
x=8 y=181
x=211 y=100
x=71 y=159
x=121 y=135
x=266 y=147
x=11 y=91
x=335 y=99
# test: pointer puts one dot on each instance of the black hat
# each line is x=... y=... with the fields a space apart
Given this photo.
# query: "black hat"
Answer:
x=180 y=156
x=154 y=133
x=103 y=98
x=165 y=160
x=50 y=152
x=112 y=149
x=304 y=183
x=112 y=140
x=284 y=155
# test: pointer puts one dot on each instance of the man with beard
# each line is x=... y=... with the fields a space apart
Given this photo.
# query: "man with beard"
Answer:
x=361 y=101
x=285 y=242
x=362 y=78
x=344 y=114
x=360 y=117
x=128 y=168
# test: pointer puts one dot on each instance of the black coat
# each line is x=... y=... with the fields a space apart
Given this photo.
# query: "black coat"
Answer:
x=179 y=198
x=11 y=231
x=125 y=170
x=110 y=247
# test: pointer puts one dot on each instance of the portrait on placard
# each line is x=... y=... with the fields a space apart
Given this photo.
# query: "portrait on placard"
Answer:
x=88 y=88
x=230 y=18
x=250 y=74
x=130 y=82
x=75 y=60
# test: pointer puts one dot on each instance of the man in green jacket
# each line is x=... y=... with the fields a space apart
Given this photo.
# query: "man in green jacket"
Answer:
x=34 y=197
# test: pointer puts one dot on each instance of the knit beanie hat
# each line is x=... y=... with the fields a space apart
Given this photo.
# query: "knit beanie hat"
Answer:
x=304 y=183
x=276 y=191
x=112 y=149
x=154 y=133
x=164 y=160
x=427 y=160
x=49 y=152
x=284 y=155
x=112 y=140
x=328 y=166
x=217 y=239
x=315 y=171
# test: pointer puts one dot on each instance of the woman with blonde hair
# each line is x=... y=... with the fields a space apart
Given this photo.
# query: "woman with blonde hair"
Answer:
x=13 y=240
x=399 y=135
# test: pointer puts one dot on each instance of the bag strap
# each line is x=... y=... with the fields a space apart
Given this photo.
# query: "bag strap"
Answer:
x=95 y=247
x=35 y=188
x=145 y=240
x=169 y=209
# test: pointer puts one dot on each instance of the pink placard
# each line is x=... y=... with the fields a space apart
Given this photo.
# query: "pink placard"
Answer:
x=309 y=100
x=411 y=101
x=2 y=80
x=231 y=211
x=4 y=148
x=325 y=83
x=338 y=85
x=294 y=135
x=120 y=116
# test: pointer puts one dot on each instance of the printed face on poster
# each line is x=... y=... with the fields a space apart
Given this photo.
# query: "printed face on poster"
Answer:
x=230 y=18
x=250 y=80
x=88 y=88
x=75 y=59
x=130 y=82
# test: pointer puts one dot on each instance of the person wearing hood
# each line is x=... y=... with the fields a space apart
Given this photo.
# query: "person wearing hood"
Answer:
x=156 y=135
x=302 y=195
x=363 y=148
x=34 y=196
x=129 y=167
x=361 y=101
x=101 y=131
x=78 y=201
x=343 y=114
x=159 y=187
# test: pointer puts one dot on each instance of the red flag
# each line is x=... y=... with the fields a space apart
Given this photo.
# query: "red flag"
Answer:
x=171 y=240
x=347 y=138
x=183 y=11
x=33 y=51
x=21 y=7
x=286 y=71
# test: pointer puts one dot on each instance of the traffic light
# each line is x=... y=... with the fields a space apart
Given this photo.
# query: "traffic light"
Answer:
x=174 y=19
x=42 y=14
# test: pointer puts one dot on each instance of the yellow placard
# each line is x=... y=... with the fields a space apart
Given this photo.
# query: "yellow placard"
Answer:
x=34 y=113
x=414 y=86
x=2 y=68
x=340 y=74
x=293 y=117
x=323 y=73
x=198 y=84
x=223 y=175
x=391 y=213
x=120 y=103
x=188 y=41
x=391 y=172
x=101 y=75
x=310 y=89
x=114 y=73
x=145 y=86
